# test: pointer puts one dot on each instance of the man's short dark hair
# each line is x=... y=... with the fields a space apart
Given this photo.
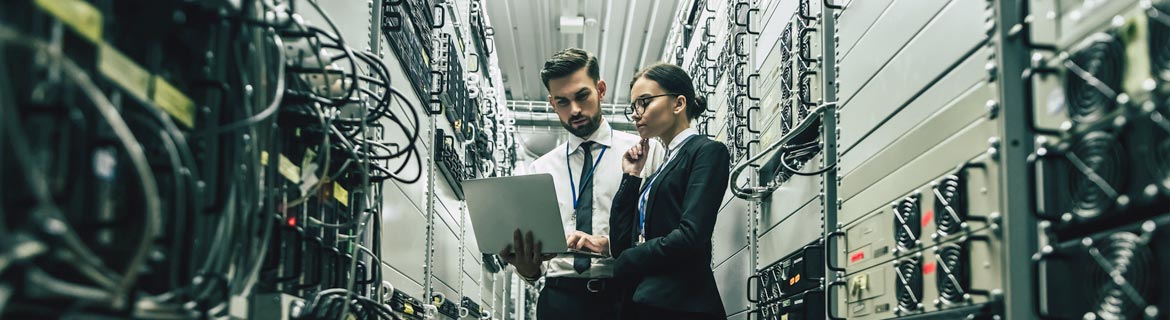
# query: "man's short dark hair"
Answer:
x=567 y=62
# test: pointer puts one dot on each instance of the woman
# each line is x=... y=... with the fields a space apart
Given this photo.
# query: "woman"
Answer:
x=662 y=228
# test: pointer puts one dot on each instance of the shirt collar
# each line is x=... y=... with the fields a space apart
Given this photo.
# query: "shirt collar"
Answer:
x=678 y=140
x=603 y=136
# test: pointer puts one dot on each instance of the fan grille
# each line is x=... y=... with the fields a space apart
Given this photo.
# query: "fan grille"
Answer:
x=950 y=209
x=1101 y=153
x=1159 y=41
x=953 y=278
x=906 y=223
x=1126 y=255
x=909 y=288
x=1104 y=59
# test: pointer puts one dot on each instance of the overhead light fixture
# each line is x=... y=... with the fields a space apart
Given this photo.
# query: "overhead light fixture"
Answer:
x=573 y=24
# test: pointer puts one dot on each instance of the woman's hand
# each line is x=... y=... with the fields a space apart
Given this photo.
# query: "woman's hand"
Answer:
x=635 y=158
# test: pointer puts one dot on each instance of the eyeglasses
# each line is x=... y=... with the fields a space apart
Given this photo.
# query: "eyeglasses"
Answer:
x=638 y=107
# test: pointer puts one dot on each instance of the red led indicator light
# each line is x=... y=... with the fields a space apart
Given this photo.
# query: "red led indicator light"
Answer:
x=928 y=268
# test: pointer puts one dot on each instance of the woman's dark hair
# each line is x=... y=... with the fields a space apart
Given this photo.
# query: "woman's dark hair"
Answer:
x=674 y=79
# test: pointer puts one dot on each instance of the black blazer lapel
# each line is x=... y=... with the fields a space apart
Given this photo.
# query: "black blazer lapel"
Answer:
x=684 y=152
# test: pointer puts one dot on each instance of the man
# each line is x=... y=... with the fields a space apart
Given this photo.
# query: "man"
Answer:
x=587 y=172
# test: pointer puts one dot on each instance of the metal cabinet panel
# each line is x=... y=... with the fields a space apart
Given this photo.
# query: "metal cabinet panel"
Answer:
x=932 y=163
x=731 y=233
x=731 y=278
x=864 y=132
x=401 y=281
x=855 y=20
x=954 y=34
x=446 y=257
x=869 y=241
x=1063 y=22
x=898 y=24
x=791 y=196
x=403 y=235
x=790 y=234
x=927 y=134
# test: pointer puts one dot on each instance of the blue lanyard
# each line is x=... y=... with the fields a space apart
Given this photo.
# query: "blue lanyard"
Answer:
x=642 y=197
x=589 y=175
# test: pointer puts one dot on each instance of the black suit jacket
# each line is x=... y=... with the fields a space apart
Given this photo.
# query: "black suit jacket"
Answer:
x=672 y=270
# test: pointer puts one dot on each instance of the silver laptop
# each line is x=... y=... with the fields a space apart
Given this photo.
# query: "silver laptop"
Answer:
x=499 y=206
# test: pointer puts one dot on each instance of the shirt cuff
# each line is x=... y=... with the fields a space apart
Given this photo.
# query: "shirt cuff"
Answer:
x=531 y=281
x=608 y=246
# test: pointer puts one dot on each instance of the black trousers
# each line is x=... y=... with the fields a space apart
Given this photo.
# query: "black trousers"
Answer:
x=638 y=311
x=575 y=298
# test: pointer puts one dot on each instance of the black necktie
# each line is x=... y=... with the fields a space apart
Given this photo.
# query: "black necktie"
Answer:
x=584 y=208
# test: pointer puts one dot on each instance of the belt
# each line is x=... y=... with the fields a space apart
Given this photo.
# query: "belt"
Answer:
x=594 y=285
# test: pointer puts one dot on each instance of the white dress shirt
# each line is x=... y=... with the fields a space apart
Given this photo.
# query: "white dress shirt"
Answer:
x=671 y=151
x=607 y=176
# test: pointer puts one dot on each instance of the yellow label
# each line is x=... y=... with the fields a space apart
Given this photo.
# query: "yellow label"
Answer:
x=263 y=158
x=340 y=194
x=408 y=309
x=174 y=102
x=123 y=72
x=784 y=317
x=289 y=170
x=78 y=15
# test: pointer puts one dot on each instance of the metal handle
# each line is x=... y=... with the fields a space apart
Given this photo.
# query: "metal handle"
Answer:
x=801 y=77
x=476 y=59
x=707 y=27
x=829 y=261
x=829 y=295
x=442 y=82
x=749 y=287
x=749 y=119
x=800 y=12
x=392 y=16
x=740 y=142
x=740 y=69
x=710 y=77
x=739 y=36
x=738 y=107
x=804 y=33
x=439 y=23
x=750 y=92
x=833 y=6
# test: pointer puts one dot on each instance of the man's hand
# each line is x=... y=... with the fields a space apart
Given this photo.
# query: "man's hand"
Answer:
x=587 y=242
x=525 y=255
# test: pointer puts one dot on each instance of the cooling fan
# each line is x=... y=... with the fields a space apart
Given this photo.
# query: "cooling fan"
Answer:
x=908 y=287
x=1097 y=171
x=1116 y=274
x=907 y=228
x=953 y=274
x=1093 y=77
x=1159 y=40
x=1083 y=180
x=950 y=209
x=1152 y=149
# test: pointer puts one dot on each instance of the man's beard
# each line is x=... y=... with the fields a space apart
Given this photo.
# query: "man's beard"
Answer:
x=585 y=130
